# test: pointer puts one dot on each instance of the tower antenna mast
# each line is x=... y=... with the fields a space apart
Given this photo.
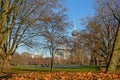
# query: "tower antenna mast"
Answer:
x=74 y=24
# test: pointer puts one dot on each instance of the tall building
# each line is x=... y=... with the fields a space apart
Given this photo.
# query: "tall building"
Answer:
x=64 y=52
x=75 y=34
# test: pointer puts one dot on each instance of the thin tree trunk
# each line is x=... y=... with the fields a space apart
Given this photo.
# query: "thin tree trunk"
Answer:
x=52 y=58
x=51 y=68
x=96 y=61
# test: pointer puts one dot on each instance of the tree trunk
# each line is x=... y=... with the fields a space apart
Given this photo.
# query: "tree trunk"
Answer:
x=6 y=64
x=95 y=61
x=1 y=63
x=114 y=60
x=52 y=58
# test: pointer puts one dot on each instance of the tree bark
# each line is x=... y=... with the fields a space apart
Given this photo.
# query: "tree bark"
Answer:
x=114 y=60
x=5 y=68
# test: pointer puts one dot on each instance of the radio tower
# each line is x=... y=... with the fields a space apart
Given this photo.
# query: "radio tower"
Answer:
x=74 y=34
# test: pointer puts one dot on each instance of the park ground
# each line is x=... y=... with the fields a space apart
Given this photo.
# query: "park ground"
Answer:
x=59 y=73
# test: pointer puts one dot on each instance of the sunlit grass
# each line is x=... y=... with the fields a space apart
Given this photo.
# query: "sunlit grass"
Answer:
x=55 y=69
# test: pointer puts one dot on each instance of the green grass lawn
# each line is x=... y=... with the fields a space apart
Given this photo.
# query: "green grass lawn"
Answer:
x=38 y=72
x=72 y=68
x=57 y=68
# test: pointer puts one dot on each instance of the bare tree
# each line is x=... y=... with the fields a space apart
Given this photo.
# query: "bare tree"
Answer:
x=18 y=19
x=98 y=39
x=110 y=9
x=103 y=30
x=113 y=6
x=53 y=33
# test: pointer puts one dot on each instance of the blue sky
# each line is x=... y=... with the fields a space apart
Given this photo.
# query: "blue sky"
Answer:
x=77 y=9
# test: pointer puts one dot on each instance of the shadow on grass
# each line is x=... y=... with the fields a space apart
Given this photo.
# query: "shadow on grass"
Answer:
x=6 y=76
x=16 y=70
